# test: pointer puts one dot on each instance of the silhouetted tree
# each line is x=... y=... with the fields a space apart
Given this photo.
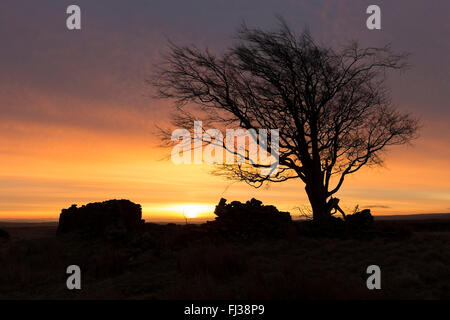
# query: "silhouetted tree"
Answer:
x=331 y=106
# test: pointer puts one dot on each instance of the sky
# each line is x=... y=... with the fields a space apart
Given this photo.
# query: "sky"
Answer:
x=78 y=123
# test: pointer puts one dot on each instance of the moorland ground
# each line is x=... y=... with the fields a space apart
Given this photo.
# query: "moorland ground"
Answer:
x=172 y=262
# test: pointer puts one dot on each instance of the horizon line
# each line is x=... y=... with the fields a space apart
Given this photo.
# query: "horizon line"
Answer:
x=204 y=219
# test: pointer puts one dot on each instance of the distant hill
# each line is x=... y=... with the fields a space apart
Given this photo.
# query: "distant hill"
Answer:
x=424 y=216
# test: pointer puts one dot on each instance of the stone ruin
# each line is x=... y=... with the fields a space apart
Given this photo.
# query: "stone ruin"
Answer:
x=118 y=217
x=250 y=217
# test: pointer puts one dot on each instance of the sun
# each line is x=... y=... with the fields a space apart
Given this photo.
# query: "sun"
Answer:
x=193 y=210
x=187 y=210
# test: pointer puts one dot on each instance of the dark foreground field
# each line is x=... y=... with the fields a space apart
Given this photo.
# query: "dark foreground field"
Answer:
x=176 y=262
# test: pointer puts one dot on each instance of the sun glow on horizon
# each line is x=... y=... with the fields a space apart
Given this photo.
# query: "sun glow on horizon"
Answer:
x=194 y=210
x=184 y=210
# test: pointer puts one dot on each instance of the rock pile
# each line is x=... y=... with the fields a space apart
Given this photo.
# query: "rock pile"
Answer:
x=250 y=217
x=362 y=219
x=112 y=217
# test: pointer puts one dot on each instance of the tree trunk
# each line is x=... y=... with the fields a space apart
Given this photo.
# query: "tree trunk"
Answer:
x=318 y=200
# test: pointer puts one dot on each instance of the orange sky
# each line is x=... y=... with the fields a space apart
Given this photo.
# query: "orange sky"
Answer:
x=48 y=168
x=77 y=124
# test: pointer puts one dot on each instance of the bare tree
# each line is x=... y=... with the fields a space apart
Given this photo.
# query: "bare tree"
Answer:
x=331 y=107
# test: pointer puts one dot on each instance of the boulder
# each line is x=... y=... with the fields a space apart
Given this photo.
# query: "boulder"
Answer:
x=362 y=219
x=102 y=218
